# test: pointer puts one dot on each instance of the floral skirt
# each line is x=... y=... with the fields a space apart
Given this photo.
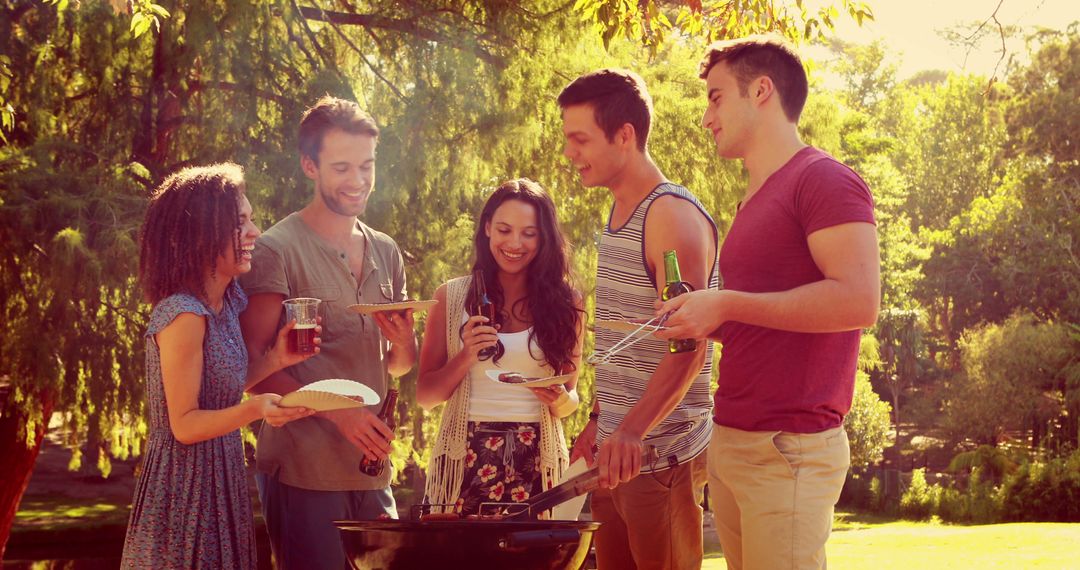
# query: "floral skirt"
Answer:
x=502 y=465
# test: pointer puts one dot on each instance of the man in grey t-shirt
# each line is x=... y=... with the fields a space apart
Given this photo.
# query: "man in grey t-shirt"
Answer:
x=308 y=471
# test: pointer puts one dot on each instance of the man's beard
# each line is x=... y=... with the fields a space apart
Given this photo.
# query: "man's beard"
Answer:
x=335 y=205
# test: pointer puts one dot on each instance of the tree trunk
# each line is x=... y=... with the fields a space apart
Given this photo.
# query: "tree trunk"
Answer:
x=18 y=460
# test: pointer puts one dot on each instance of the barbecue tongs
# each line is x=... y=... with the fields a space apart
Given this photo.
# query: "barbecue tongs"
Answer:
x=573 y=487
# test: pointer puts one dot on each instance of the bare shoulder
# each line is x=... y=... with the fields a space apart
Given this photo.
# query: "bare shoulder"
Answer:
x=670 y=209
x=440 y=293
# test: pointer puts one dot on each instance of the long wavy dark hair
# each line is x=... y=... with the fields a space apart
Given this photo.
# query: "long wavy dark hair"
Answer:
x=549 y=288
x=192 y=219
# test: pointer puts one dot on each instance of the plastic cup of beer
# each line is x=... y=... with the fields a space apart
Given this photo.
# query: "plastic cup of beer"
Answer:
x=304 y=310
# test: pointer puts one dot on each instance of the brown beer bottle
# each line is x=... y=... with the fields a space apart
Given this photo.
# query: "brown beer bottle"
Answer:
x=676 y=286
x=374 y=467
x=484 y=308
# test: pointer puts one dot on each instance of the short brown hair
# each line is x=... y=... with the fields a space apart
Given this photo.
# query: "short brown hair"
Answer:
x=617 y=97
x=332 y=113
x=193 y=217
x=754 y=56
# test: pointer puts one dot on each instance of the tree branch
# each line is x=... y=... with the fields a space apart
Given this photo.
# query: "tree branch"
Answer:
x=197 y=85
x=371 y=66
x=311 y=35
x=404 y=26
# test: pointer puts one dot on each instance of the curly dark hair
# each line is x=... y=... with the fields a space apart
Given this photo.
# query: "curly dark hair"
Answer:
x=549 y=290
x=192 y=218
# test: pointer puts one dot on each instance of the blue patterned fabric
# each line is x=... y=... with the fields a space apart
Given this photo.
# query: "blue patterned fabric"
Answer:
x=191 y=507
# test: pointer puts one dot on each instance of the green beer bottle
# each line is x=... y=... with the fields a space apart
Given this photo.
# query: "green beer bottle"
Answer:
x=676 y=286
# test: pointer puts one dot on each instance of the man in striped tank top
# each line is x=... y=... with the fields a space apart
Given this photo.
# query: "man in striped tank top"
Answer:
x=801 y=279
x=645 y=395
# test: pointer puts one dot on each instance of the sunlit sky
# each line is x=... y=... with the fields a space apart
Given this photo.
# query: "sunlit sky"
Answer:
x=910 y=29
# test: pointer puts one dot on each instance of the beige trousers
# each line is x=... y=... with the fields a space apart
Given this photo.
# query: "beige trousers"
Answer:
x=652 y=522
x=773 y=495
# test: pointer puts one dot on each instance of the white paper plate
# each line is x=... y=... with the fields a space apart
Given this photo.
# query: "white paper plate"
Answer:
x=318 y=401
x=369 y=308
x=332 y=394
x=625 y=326
x=537 y=383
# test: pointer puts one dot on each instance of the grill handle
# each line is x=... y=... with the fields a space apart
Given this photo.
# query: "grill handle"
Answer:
x=539 y=538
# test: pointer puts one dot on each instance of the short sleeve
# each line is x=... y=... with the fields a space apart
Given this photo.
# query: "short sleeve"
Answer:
x=267 y=273
x=165 y=312
x=831 y=194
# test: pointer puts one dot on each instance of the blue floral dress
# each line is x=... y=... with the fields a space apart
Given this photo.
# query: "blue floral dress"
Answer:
x=191 y=507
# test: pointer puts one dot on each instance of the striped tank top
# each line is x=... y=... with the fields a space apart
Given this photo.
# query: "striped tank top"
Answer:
x=625 y=290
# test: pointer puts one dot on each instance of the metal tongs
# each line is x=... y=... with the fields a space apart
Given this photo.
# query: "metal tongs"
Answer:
x=573 y=487
x=650 y=326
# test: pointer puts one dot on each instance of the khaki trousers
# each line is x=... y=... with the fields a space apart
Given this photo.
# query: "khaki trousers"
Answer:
x=652 y=522
x=773 y=495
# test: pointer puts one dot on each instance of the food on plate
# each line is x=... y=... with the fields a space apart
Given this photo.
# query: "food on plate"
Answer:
x=513 y=378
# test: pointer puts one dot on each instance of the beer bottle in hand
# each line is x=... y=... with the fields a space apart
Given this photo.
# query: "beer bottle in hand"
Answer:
x=484 y=308
x=374 y=467
x=676 y=286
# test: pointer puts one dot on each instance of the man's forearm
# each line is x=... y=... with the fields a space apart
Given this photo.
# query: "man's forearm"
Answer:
x=667 y=387
x=279 y=382
x=821 y=307
x=401 y=359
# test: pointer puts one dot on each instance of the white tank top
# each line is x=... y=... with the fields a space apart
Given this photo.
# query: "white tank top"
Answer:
x=492 y=401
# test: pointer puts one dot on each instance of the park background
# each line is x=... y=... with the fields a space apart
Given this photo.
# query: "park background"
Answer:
x=961 y=118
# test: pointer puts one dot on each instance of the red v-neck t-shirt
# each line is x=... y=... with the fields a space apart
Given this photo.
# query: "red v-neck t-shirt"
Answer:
x=777 y=380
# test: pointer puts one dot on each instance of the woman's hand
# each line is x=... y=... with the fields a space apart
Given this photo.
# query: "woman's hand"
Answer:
x=268 y=409
x=281 y=356
x=476 y=336
x=561 y=402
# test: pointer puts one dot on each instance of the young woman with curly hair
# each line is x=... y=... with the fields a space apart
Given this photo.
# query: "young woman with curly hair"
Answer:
x=191 y=507
x=499 y=442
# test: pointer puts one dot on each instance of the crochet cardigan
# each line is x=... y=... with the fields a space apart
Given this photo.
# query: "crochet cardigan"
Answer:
x=446 y=470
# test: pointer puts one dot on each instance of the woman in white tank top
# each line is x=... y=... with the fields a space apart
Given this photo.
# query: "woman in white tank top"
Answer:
x=497 y=442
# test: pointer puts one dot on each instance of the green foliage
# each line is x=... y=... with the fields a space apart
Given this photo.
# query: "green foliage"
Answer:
x=867 y=424
x=651 y=22
x=993 y=461
x=876 y=494
x=863 y=491
x=867 y=77
x=1044 y=491
x=979 y=503
x=146 y=14
x=920 y=498
x=1006 y=370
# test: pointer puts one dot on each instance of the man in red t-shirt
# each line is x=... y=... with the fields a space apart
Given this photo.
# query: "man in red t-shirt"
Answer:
x=800 y=272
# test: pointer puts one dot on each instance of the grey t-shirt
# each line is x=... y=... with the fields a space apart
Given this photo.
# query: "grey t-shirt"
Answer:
x=291 y=260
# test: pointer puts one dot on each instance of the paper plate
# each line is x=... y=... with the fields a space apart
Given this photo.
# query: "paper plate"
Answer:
x=532 y=383
x=626 y=326
x=369 y=308
x=318 y=401
x=333 y=394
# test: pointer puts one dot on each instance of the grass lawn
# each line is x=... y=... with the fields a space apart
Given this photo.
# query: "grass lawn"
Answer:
x=859 y=542
x=59 y=512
